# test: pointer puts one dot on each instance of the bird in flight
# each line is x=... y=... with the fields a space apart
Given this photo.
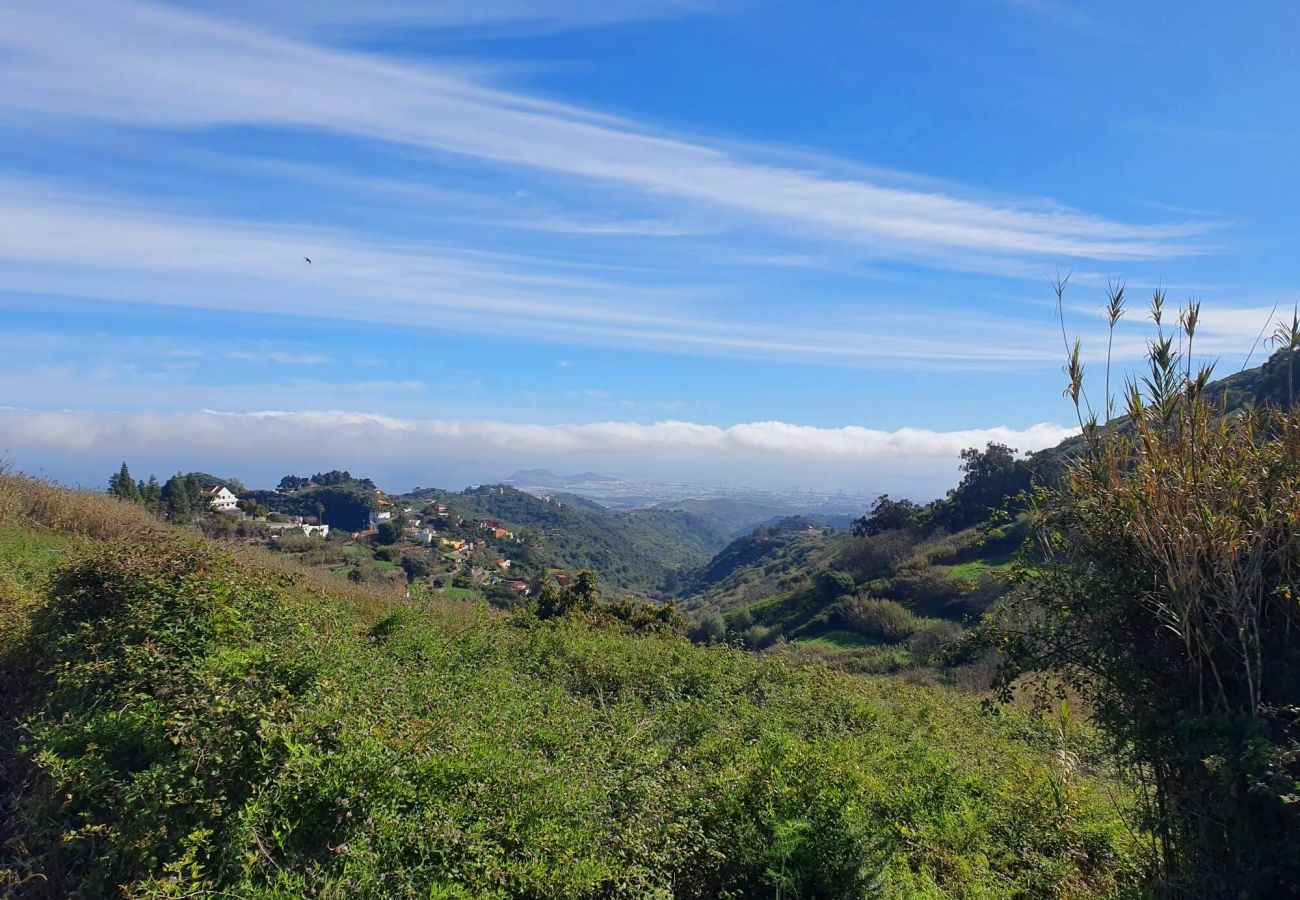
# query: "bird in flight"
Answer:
x=308 y=259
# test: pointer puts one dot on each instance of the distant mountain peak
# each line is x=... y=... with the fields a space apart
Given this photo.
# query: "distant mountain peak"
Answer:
x=526 y=474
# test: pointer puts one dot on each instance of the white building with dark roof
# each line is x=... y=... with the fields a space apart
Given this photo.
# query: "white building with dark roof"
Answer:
x=221 y=499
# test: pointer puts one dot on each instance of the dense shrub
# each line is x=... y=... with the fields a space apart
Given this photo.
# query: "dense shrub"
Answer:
x=739 y=620
x=926 y=587
x=759 y=637
x=832 y=585
x=415 y=567
x=883 y=619
x=875 y=556
x=932 y=639
x=708 y=629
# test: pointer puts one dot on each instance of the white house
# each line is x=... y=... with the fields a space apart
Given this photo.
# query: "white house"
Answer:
x=309 y=530
x=424 y=536
x=221 y=500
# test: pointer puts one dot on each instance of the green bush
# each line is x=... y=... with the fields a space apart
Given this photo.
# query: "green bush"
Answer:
x=885 y=620
x=833 y=584
x=928 y=588
x=415 y=567
x=708 y=629
x=739 y=620
x=875 y=556
x=934 y=638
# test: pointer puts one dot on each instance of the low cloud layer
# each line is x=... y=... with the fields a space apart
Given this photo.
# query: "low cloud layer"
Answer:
x=758 y=450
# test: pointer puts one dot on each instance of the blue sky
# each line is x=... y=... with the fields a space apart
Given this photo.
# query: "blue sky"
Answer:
x=763 y=243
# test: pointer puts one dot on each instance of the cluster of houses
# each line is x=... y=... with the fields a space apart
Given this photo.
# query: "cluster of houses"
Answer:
x=221 y=499
x=417 y=531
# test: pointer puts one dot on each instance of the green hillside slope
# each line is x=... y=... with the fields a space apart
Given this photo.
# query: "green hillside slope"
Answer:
x=895 y=601
x=185 y=722
x=643 y=550
x=902 y=596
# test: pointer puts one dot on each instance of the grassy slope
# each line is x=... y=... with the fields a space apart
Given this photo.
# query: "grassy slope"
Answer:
x=770 y=580
x=196 y=722
x=836 y=639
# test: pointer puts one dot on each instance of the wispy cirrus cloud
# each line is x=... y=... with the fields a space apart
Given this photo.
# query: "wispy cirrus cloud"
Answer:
x=92 y=247
x=514 y=16
x=143 y=65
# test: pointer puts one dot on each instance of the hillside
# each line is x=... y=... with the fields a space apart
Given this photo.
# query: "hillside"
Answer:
x=642 y=550
x=764 y=562
x=889 y=603
x=735 y=517
x=731 y=517
x=187 y=720
x=899 y=599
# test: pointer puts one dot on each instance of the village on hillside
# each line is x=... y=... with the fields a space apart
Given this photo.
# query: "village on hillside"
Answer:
x=351 y=528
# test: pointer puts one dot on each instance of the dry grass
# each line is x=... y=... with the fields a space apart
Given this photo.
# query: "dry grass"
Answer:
x=27 y=502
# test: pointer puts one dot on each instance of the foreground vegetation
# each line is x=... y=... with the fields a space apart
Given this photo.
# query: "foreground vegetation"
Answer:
x=1165 y=593
x=186 y=719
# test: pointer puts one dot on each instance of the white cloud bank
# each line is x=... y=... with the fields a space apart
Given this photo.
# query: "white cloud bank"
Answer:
x=366 y=439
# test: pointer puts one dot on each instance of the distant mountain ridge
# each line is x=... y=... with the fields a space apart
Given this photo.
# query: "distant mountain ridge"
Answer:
x=547 y=478
x=737 y=517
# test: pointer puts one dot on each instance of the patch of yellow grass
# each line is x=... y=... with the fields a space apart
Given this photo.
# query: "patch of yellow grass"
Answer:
x=27 y=502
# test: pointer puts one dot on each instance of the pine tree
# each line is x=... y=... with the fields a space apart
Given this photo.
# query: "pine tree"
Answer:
x=194 y=490
x=151 y=495
x=123 y=486
x=176 y=497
